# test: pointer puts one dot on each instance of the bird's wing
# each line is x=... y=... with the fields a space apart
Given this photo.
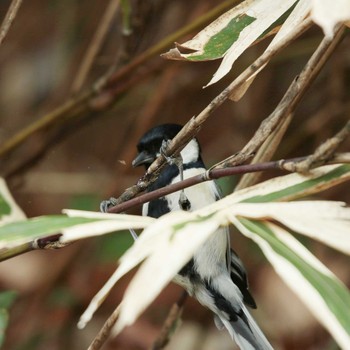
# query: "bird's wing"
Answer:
x=239 y=277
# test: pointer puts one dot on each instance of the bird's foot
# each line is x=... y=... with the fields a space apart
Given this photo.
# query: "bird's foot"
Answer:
x=108 y=203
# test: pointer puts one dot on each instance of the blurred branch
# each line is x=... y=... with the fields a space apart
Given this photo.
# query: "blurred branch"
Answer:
x=95 y=44
x=10 y=16
x=322 y=153
x=170 y=323
x=105 y=331
x=102 y=93
x=65 y=130
x=265 y=152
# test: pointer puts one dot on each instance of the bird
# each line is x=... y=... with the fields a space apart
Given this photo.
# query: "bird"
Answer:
x=215 y=275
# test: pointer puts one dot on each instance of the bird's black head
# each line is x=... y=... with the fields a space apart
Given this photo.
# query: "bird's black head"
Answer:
x=151 y=142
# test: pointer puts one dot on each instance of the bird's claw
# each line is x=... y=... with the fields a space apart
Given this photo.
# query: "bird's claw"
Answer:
x=108 y=203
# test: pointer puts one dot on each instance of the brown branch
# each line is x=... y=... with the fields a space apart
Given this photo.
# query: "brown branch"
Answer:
x=323 y=153
x=265 y=152
x=10 y=16
x=170 y=323
x=215 y=174
x=95 y=44
x=105 y=331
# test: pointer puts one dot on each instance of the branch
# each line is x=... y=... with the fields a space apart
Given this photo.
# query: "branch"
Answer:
x=323 y=153
x=95 y=44
x=53 y=241
x=102 y=93
x=170 y=323
x=10 y=16
x=214 y=174
x=105 y=331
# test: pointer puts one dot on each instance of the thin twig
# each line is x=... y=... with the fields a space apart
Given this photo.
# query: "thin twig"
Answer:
x=265 y=153
x=10 y=16
x=323 y=153
x=95 y=44
x=170 y=323
x=105 y=331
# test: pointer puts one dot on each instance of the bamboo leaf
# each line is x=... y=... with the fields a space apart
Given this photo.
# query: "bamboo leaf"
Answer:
x=321 y=291
x=232 y=33
x=294 y=186
x=328 y=13
x=9 y=210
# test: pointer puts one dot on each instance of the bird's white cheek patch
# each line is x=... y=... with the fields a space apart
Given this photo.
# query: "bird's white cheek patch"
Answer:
x=190 y=153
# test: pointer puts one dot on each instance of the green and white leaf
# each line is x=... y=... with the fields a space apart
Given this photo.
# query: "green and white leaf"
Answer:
x=263 y=20
x=9 y=210
x=101 y=223
x=325 y=221
x=290 y=25
x=328 y=13
x=321 y=291
x=21 y=236
x=294 y=186
x=232 y=33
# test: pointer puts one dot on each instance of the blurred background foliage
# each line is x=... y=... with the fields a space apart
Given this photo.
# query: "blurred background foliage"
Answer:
x=77 y=162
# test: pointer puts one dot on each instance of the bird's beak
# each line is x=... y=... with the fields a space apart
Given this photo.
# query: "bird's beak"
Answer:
x=142 y=158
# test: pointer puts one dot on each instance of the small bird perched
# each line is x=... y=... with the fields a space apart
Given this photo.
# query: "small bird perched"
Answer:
x=215 y=276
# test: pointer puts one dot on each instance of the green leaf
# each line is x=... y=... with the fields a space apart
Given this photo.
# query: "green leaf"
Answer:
x=5 y=208
x=18 y=237
x=9 y=210
x=28 y=230
x=295 y=186
x=6 y=300
x=325 y=295
x=219 y=43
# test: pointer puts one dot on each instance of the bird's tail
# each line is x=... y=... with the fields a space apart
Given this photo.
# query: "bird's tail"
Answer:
x=245 y=331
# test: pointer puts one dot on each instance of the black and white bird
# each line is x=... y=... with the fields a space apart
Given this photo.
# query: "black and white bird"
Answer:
x=215 y=276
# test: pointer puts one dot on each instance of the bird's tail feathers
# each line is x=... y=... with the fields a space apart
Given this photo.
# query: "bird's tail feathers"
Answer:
x=245 y=332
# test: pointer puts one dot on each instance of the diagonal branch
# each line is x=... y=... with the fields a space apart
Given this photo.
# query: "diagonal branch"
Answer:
x=10 y=16
x=95 y=44
x=102 y=93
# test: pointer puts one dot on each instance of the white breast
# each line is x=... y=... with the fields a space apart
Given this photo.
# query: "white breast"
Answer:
x=199 y=195
x=210 y=259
